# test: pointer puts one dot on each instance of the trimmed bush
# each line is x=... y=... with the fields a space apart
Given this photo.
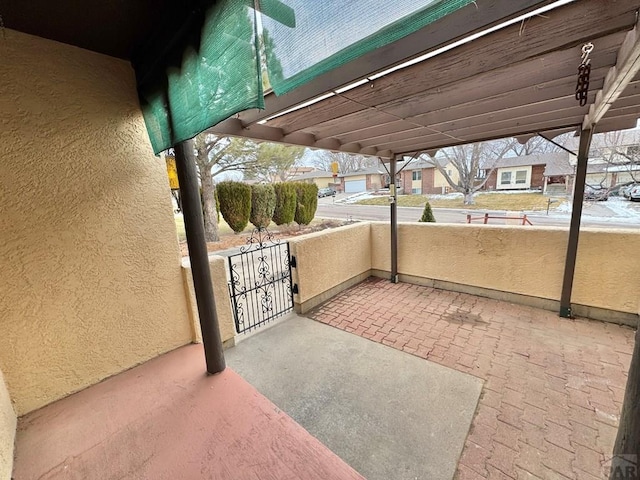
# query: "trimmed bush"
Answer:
x=307 y=202
x=285 y=210
x=263 y=202
x=235 y=204
x=427 y=214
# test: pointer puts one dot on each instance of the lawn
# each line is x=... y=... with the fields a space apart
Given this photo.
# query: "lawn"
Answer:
x=484 y=201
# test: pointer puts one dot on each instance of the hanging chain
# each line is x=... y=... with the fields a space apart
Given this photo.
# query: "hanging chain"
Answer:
x=584 y=70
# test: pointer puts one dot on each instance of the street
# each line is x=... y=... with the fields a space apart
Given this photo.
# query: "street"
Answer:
x=601 y=219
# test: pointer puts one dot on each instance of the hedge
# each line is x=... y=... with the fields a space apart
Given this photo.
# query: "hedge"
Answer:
x=307 y=202
x=285 y=209
x=235 y=204
x=263 y=202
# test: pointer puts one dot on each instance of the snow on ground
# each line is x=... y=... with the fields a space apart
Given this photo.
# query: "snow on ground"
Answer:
x=616 y=209
x=356 y=197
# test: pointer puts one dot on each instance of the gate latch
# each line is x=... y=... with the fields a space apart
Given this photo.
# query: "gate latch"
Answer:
x=292 y=262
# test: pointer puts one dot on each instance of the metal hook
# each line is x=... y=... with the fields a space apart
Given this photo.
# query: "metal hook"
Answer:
x=587 y=48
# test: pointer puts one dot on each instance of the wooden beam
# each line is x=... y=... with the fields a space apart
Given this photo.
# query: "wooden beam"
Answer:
x=617 y=79
x=563 y=28
x=473 y=18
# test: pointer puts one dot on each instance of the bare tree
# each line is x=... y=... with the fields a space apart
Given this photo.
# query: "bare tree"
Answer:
x=468 y=160
x=536 y=145
x=215 y=155
x=347 y=162
x=619 y=151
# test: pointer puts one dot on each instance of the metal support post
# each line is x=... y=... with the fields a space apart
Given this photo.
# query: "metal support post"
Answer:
x=394 y=219
x=198 y=255
x=574 y=229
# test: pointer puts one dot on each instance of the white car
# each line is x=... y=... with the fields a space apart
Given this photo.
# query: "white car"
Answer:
x=634 y=193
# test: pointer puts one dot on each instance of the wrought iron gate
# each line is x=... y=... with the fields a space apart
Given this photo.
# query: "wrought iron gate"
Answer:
x=261 y=288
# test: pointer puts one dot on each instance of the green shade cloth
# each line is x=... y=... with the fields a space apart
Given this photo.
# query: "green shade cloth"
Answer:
x=203 y=71
x=331 y=33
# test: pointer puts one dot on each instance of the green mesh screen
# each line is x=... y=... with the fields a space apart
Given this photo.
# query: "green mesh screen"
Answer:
x=205 y=70
x=330 y=33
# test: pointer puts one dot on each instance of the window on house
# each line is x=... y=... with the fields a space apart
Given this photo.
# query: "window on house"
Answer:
x=521 y=176
x=416 y=191
x=633 y=150
x=482 y=173
x=505 y=178
x=417 y=175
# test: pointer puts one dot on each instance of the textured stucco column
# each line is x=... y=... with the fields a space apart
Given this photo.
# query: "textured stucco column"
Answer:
x=218 y=269
x=7 y=431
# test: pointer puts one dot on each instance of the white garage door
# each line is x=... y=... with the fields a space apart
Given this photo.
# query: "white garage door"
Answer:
x=353 y=186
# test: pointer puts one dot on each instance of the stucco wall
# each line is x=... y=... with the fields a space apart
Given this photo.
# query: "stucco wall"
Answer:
x=88 y=245
x=329 y=258
x=7 y=431
x=218 y=269
x=522 y=260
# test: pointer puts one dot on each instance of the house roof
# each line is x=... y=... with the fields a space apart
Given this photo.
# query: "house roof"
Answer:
x=422 y=163
x=313 y=174
x=526 y=160
x=365 y=171
x=559 y=166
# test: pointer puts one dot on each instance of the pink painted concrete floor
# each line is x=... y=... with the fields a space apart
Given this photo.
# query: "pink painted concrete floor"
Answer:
x=166 y=419
x=553 y=390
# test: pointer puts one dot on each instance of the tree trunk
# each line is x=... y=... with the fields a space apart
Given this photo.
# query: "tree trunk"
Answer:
x=468 y=198
x=209 y=208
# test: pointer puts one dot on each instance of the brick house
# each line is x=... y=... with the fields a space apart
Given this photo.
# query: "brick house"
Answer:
x=421 y=177
x=522 y=173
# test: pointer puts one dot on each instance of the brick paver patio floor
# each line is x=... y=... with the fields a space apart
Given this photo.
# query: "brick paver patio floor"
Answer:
x=553 y=387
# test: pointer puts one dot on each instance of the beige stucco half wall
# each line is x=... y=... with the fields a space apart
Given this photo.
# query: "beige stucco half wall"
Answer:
x=218 y=270
x=328 y=262
x=521 y=260
x=8 y=423
x=88 y=251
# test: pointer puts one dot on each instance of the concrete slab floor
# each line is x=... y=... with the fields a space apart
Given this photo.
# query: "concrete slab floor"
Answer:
x=388 y=414
x=167 y=419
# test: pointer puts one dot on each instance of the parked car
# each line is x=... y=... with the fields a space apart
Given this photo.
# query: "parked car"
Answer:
x=627 y=190
x=597 y=194
x=618 y=190
x=634 y=193
x=326 y=192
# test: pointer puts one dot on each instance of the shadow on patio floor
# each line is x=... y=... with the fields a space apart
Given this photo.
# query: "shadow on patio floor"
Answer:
x=389 y=415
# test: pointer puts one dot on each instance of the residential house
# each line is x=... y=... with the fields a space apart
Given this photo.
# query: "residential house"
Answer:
x=520 y=173
x=422 y=177
x=365 y=180
x=559 y=176
x=321 y=178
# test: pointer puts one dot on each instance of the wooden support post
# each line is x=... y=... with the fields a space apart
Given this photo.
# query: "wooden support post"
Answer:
x=627 y=446
x=574 y=229
x=486 y=218
x=198 y=256
x=394 y=219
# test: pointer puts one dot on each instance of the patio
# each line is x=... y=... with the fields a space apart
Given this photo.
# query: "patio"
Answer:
x=167 y=419
x=553 y=388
